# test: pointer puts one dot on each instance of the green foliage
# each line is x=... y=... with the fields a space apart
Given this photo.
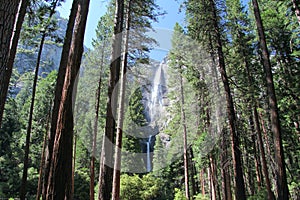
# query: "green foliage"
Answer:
x=13 y=139
x=179 y=194
x=261 y=195
x=139 y=188
x=201 y=197
x=81 y=184
x=294 y=188
x=193 y=51
x=40 y=20
x=9 y=155
x=136 y=108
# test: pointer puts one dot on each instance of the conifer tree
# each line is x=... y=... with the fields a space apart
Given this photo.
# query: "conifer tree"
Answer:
x=44 y=33
x=60 y=176
x=12 y=17
x=106 y=172
x=206 y=11
x=281 y=181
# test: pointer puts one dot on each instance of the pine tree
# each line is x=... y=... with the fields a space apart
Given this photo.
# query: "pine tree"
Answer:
x=119 y=134
x=12 y=17
x=281 y=181
x=238 y=25
x=60 y=176
x=206 y=12
x=29 y=126
x=106 y=172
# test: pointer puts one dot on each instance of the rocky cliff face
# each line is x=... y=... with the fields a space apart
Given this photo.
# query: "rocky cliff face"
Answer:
x=25 y=60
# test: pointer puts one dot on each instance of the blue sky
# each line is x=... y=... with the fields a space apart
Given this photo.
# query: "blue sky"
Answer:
x=163 y=28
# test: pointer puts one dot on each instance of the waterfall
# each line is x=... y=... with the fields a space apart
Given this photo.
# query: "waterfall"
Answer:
x=149 y=167
x=154 y=103
x=154 y=108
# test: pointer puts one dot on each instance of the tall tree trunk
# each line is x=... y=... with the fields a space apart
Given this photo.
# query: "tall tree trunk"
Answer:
x=255 y=152
x=235 y=143
x=58 y=93
x=213 y=181
x=96 y=118
x=60 y=176
x=106 y=172
x=255 y=125
x=42 y=162
x=29 y=126
x=12 y=15
x=185 y=153
x=249 y=175
x=118 y=147
x=225 y=174
x=202 y=182
x=195 y=186
x=281 y=181
x=74 y=162
x=262 y=154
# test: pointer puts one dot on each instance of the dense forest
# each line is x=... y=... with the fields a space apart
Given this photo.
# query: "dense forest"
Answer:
x=217 y=118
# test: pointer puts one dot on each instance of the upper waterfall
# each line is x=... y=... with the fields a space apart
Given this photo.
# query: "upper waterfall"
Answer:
x=154 y=95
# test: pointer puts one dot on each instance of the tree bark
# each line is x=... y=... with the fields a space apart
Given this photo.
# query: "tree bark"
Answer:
x=74 y=163
x=225 y=174
x=255 y=125
x=195 y=186
x=58 y=92
x=213 y=181
x=60 y=176
x=106 y=172
x=12 y=15
x=94 y=146
x=42 y=162
x=254 y=146
x=29 y=126
x=202 y=182
x=281 y=181
x=185 y=153
x=28 y=133
x=235 y=142
x=118 y=147
x=262 y=154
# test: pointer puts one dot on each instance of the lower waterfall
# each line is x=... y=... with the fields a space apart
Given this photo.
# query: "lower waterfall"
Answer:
x=154 y=94
x=149 y=165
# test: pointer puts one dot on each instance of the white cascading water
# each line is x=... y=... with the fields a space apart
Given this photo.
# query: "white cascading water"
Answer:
x=155 y=106
x=155 y=101
x=149 y=167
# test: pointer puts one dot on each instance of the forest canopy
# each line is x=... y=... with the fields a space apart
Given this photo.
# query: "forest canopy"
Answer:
x=217 y=118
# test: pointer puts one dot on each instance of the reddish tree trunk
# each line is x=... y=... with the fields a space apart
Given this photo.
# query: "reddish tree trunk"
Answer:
x=185 y=153
x=202 y=182
x=12 y=15
x=60 y=176
x=94 y=146
x=225 y=174
x=118 y=148
x=235 y=142
x=263 y=157
x=195 y=186
x=29 y=126
x=106 y=172
x=281 y=181
x=42 y=162
x=74 y=162
x=213 y=180
x=28 y=133
x=58 y=93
